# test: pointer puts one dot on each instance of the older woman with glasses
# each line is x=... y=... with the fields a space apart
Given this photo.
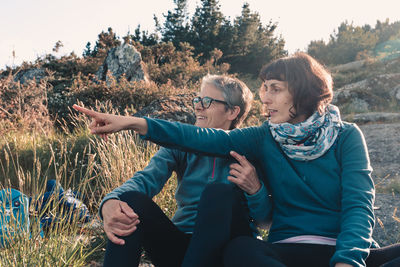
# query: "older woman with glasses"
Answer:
x=132 y=220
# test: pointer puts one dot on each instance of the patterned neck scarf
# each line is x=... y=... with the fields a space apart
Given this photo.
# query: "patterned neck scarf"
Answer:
x=311 y=138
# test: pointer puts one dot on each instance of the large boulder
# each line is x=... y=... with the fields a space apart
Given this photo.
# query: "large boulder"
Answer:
x=174 y=108
x=123 y=60
x=376 y=93
x=26 y=75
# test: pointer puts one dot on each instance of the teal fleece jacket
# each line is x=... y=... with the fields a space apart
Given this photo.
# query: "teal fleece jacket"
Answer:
x=193 y=172
x=330 y=196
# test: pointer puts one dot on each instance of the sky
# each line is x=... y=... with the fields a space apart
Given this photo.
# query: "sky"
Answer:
x=29 y=29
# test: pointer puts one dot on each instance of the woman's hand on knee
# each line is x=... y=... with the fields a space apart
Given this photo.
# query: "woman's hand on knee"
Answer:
x=244 y=175
x=119 y=220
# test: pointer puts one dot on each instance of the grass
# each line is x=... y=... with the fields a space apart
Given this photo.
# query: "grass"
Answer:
x=76 y=160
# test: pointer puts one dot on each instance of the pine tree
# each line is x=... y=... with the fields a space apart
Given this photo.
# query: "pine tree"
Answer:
x=176 y=25
x=144 y=38
x=106 y=41
x=253 y=44
x=207 y=22
x=87 y=52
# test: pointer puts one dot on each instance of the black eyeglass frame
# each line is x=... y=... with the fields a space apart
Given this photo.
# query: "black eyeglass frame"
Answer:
x=205 y=106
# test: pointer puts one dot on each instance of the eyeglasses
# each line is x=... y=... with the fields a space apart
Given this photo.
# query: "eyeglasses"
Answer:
x=206 y=101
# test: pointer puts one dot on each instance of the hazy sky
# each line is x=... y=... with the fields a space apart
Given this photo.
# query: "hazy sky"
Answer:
x=31 y=28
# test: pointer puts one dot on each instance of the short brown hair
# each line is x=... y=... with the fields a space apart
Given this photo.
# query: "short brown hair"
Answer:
x=309 y=83
x=235 y=93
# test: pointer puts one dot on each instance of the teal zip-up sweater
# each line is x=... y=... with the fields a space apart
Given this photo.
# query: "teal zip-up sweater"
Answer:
x=330 y=196
x=193 y=172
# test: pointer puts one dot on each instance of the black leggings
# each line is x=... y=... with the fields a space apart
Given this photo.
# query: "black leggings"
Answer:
x=166 y=245
x=222 y=216
x=163 y=242
x=245 y=251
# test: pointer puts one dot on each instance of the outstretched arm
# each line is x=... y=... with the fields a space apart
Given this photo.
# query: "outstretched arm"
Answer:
x=103 y=123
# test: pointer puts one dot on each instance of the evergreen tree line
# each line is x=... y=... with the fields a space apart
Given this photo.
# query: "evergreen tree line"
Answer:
x=244 y=43
x=350 y=43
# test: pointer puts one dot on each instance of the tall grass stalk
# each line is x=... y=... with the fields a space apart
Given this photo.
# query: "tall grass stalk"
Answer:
x=77 y=160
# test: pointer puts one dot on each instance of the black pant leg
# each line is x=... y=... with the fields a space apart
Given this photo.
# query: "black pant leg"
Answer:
x=221 y=216
x=299 y=254
x=247 y=251
x=383 y=255
x=163 y=242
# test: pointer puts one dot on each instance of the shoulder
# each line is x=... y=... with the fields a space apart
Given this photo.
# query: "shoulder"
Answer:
x=351 y=139
x=350 y=130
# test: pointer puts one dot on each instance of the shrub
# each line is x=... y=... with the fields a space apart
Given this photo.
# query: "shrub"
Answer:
x=23 y=106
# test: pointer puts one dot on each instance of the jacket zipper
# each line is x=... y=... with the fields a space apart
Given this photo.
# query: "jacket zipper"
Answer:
x=212 y=176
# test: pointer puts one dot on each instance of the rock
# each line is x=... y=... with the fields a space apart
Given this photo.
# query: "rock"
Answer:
x=396 y=92
x=26 y=75
x=373 y=117
x=355 y=65
x=123 y=60
x=174 y=108
x=372 y=94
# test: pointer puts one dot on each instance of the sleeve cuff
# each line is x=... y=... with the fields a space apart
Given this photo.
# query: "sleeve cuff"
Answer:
x=149 y=129
x=262 y=192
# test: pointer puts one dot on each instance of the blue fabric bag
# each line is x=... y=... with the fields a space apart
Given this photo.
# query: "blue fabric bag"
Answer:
x=14 y=215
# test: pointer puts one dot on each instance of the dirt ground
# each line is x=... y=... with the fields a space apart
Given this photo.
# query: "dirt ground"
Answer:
x=383 y=142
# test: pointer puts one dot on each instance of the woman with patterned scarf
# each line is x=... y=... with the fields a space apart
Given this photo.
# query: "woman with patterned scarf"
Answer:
x=317 y=174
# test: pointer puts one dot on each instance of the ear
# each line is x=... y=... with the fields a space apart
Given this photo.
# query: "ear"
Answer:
x=233 y=113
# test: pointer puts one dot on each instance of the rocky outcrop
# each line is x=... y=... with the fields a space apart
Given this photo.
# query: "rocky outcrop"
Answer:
x=373 y=117
x=372 y=94
x=123 y=60
x=174 y=108
x=26 y=75
x=355 y=65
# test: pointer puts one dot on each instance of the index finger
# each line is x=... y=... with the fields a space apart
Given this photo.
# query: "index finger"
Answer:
x=86 y=111
x=241 y=159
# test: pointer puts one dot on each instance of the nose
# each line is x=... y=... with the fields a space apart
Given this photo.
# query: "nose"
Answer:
x=198 y=106
x=265 y=97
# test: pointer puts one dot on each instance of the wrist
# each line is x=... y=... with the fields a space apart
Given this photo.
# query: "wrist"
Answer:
x=139 y=125
x=255 y=191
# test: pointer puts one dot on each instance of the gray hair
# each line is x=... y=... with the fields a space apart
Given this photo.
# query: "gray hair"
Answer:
x=235 y=93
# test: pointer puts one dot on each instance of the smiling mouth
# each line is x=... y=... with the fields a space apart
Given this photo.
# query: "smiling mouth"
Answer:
x=200 y=118
x=272 y=111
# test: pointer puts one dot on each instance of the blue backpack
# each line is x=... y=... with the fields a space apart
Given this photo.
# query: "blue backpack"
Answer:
x=14 y=215
x=71 y=208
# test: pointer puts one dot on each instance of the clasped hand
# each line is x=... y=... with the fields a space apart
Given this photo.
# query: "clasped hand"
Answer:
x=119 y=220
x=244 y=175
